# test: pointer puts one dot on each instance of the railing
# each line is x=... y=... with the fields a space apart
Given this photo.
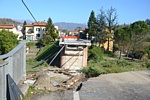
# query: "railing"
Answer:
x=13 y=63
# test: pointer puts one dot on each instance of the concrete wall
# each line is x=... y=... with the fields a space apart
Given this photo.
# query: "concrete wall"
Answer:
x=74 y=59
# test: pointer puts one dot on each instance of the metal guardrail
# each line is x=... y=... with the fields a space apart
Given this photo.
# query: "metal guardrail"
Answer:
x=13 y=63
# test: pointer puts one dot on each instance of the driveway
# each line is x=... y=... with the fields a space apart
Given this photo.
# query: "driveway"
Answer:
x=122 y=86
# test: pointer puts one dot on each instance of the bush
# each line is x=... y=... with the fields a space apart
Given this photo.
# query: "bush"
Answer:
x=123 y=62
x=95 y=53
x=30 y=44
x=8 y=41
x=107 y=64
x=90 y=71
x=147 y=51
x=47 y=39
x=147 y=65
x=110 y=54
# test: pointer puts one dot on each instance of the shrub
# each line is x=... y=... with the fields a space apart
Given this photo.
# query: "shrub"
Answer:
x=110 y=54
x=147 y=51
x=30 y=44
x=147 y=64
x=8 y=41
x=95 y=53
x=123 y=62
x=106 y=64
x=90 y=71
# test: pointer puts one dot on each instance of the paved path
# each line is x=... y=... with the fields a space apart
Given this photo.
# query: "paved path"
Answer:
x=123 y=86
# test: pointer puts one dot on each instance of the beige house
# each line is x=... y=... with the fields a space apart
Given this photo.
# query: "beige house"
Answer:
x=35 y=30
x=73 y=32
x=13 y=29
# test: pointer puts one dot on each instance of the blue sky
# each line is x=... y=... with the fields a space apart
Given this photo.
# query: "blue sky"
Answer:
x=77 y=11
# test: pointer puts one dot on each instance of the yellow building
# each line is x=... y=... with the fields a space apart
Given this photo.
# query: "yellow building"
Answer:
x=105 y=45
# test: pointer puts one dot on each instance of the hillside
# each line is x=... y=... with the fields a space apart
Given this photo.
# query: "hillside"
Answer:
x=9 y=21
x=69 y=26
x=61 y=25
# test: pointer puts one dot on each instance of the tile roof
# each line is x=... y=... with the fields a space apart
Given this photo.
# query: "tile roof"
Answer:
x=36 y=24
x=40 y=23
x=29 y=25
x=74 y=31
x=3 y=26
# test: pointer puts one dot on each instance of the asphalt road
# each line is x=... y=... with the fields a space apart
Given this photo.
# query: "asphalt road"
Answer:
x=123 y=86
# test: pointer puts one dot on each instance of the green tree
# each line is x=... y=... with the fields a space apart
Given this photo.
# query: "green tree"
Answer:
x=147 y=51
x=8 y=41
x=101 y=27
x=51 y=33
x=51 y=30
x=92 y=24
x=45 y=40
x=111 y=23
x=139 y=30
x=23 y=30
x=121 y=36
x=147 y=21
x=24 y=23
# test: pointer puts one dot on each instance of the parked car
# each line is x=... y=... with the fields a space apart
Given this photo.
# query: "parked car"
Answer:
x=136 y=55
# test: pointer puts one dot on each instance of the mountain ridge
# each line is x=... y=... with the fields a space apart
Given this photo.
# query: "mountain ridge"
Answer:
x=9 y=21
x=61 y=25
x=69 y=25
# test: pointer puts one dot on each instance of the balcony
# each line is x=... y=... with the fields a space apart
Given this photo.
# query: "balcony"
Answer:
x=30 y=31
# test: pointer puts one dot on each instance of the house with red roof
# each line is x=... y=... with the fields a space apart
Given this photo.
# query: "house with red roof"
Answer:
x=35 y=30
x=11 y=28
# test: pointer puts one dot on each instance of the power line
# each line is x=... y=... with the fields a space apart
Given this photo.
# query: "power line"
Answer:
x=56 y=55
x=30 y=12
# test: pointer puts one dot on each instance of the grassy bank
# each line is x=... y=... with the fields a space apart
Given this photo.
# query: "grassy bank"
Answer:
x=43 y=58
x=100 y=63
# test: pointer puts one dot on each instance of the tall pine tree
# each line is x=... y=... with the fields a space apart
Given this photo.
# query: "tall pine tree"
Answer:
x=92 y=24
x=23 y=30
x=101 y=27
x=51 y=33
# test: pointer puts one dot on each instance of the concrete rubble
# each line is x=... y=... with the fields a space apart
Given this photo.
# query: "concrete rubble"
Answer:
x=54 y=79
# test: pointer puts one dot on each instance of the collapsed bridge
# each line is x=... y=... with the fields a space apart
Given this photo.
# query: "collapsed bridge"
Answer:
x=75 y=52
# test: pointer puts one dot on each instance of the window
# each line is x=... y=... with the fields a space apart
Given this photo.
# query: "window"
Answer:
x=38 y=35
x=38 y=29
x=30 y=31
x=43 y=29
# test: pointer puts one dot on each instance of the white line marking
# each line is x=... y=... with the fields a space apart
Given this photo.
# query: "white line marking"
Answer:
x=142 y=76
x=76 y=95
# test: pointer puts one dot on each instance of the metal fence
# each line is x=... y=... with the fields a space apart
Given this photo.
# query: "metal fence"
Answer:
x=13 y=63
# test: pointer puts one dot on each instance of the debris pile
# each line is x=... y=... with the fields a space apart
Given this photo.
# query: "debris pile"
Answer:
x=55 y=79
